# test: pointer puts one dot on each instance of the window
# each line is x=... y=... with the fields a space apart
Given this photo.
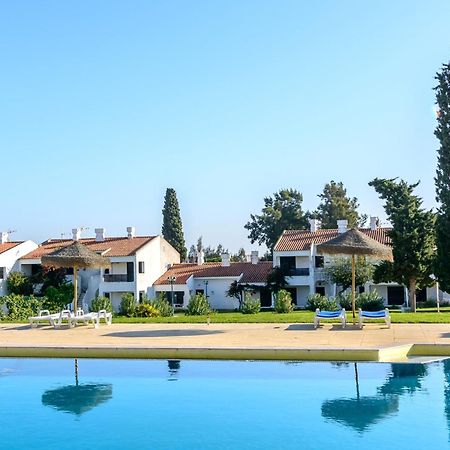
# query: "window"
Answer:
x=106 y=271
x=320 y=290
x=319 y=262
x=141 y=267
x=361 y=289
x=141 y=296
x=107 y=295
x=2 y=273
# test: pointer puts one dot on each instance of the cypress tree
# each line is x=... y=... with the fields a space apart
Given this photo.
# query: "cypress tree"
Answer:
x=172 y=227
x=442 y=180
x=412 y=236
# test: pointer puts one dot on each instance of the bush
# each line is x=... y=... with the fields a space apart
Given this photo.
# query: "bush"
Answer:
x=100 y=303
x=345 y=300
x=283 y=302
x=320 y=301
x=20 y=307
x=198 y=306
x=56 y=298
x=162 y=305
x=427 y=304
x=146 y=310
x=19 y=284
x=250 y=305
x=127 y=305
x=370 y=301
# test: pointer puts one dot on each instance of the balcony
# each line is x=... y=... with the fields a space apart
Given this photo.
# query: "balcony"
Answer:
x=120 y=277
x=296 y=271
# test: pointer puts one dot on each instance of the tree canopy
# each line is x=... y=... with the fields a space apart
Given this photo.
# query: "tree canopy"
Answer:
x=172 y=227
x=340 y=272
x=336 y=205
x=442 y=179
x=282 y=211
x=412 y=236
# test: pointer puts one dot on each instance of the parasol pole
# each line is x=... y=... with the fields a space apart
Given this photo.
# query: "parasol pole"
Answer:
x=353 y=287
x=75 y=289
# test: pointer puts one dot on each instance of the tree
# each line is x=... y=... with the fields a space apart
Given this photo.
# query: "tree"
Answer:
x=340 y=272
x=214 y=255
x=235 y=291
x=276 y=280
x=281 y=212
x=335 y=205
x=240 y=256
x=442 y=180
x=19 y=284
x=412 y=236
x=172 y=227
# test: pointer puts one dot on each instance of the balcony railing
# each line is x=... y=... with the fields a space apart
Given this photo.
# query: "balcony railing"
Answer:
x=296 y=272
x=120 y=277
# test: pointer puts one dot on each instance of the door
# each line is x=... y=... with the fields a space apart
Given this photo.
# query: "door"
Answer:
x=266 y=298
x=130 y=271
x=293 y=292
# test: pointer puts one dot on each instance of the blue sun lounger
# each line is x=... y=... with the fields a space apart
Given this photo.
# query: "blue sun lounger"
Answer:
x=327 y=315
x=373 y=315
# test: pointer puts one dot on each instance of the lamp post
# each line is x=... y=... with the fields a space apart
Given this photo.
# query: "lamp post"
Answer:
x=172 y=281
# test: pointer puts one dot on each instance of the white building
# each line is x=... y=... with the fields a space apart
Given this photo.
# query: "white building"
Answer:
x=10 y=254
x=295 y=253
x=136 y=263
x=213 y=280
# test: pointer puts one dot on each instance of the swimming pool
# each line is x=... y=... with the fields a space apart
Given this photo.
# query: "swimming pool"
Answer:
x=155 y=404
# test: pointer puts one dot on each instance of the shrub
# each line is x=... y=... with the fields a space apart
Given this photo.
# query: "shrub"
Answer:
x=250 y=305
x=127 y=305
x=162 y=305
x=345 y=300
x=370 y=301
x=320 y=301
x=19 y=284
x=198 y=306
x=20 y=307
x=56 y=298
x=283 y=302
x=427 y=304
x=146 y=310
x=99 y=303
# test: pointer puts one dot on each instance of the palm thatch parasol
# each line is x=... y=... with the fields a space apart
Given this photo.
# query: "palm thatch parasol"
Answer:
x=353 y=242
x=74 y=256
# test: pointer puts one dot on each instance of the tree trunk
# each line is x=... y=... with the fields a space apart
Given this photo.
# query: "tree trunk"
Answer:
x=412 y=294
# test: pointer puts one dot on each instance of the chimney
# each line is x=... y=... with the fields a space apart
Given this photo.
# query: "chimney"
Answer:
x=225 y=259
x=99 y=234
x=131 y=232
x=313 y=225
x=374 y=223
x=76 y=234
x=255 y=257
x=4 y=237
x=200 y=257
x=342 y=226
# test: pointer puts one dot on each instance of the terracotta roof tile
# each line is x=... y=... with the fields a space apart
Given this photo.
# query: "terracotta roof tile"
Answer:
x=8 y=245
x=298 y=240
x=252 y=273
x=112 y=246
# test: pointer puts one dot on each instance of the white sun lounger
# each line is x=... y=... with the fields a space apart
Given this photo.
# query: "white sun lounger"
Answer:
x=373 y=315
x=43 y=316
x=61 y=318
x=105 y=315
x=85 y=319
x=328 y=315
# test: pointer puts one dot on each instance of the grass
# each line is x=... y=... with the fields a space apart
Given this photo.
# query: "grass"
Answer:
x=422 y=316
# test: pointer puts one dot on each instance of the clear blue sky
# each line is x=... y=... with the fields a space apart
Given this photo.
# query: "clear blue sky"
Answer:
x=104 y=104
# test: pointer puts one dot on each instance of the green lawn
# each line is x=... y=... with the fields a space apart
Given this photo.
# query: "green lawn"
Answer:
x=425 y=316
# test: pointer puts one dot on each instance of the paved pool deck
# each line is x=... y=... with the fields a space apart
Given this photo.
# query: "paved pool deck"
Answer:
x=402 y=342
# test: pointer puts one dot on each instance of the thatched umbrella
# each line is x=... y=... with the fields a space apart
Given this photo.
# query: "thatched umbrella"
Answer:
x=353 y=242
x=74 y=256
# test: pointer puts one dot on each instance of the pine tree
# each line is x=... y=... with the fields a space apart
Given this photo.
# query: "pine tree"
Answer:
x=335 y=205
x=412 y=236
x=172 y=228
x=442 y=180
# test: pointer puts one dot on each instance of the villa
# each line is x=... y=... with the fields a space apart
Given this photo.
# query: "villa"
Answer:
x=296 y=254
x=214 y=279
x=10 y=254
x=136 y=263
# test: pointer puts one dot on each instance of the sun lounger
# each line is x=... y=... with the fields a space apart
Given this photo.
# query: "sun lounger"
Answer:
x=43 y=316
x=105 y=315
x=327 y=315
x=63 y=317
x=85 y=319
x=373 y=315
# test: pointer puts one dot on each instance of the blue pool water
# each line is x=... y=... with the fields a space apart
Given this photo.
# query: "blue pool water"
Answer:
x=148 y=404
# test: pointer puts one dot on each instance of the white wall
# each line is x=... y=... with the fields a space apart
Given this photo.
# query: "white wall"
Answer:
x=217 y=288
x=10 y=261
